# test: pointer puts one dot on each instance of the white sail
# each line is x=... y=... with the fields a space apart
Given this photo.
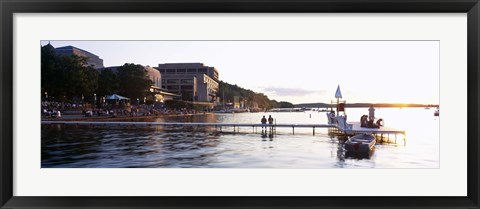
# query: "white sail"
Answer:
x=338 y=94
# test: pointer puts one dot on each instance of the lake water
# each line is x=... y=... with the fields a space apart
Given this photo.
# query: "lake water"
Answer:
x=124 y=147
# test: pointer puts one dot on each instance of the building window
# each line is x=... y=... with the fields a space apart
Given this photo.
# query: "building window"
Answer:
x=161 y=70
x=187 y=81
x=187 y=87
x=181 y=70
x=202 y=70
x=172 y=81
x=172 y=87
x=192 y=71
x=170 y=70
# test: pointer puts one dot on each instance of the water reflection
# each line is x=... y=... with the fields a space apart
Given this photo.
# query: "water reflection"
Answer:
x=359 y=155
x=198 y=147
x=93 y=147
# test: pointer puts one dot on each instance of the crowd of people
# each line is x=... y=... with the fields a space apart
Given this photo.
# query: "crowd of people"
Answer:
x=367 y=121
x=135 y=111
x=53 y=109
x=57 y=109
x=50 y=105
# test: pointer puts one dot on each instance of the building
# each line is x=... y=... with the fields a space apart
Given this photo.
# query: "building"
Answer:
x=154 y=76
x=157 y=93
x=92 y=59
x=193 y=81
x=188 y=68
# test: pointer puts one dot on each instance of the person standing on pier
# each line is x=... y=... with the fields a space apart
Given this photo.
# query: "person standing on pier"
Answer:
x=264 y=121
x=371 y=113
x=270 y=121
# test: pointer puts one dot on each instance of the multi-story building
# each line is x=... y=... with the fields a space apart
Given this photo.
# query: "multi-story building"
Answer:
x=157 y=94
x=194 y=81
x=92 y=59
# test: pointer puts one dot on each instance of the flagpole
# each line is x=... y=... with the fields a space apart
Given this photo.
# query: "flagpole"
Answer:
x=338 y=95
x=337 y=105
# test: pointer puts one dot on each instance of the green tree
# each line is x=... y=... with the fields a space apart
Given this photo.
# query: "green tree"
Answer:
x=49 y=72
x=229 y=91
x=66 y=77
x=285 y=105
x=108 y=83
x=75 y=78
x=133 y=81
x=83 y=79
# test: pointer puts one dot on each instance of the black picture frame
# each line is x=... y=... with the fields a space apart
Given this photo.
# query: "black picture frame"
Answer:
x=9 y=7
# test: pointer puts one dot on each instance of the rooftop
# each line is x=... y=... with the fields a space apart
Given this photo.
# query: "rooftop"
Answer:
x=68 y=48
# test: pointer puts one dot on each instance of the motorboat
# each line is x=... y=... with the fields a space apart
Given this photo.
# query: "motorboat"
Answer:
x=359 y=155
x=360 y=143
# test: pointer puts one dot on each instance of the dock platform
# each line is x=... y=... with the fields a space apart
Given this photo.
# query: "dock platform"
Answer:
x=355 y=127
x=352 y=128
x=188 y=124
x=382 y=133
x=220 y=125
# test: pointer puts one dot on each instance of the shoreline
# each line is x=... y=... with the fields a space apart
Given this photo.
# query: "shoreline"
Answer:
x=109 y=118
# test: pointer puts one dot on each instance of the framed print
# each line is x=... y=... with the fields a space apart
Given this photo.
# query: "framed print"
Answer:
x=236 y=104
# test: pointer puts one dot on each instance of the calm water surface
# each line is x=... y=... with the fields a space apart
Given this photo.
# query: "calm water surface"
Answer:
x=157 y=147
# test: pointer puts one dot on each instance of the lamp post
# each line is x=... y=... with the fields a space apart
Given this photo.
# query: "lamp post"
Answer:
x=94 y=99
x=46 y=95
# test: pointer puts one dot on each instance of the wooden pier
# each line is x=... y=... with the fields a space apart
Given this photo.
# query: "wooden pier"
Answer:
x=380 y=133
x=216 y=125
x=352 y=129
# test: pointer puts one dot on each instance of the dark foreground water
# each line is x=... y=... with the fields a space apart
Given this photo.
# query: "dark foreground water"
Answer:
x=157 y=147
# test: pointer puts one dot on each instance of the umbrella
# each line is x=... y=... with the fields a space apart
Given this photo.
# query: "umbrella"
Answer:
x=116 y=97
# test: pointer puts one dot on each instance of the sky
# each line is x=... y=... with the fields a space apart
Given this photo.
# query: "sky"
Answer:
x=297 y=71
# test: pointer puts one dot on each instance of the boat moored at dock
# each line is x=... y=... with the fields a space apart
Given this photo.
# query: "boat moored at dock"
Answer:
x=360 y=143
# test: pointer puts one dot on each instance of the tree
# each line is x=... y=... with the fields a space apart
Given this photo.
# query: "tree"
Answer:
x=275 y=104
x=48 y=70
x=108 y=83
x=228 y=91
x=133 y=81
x=286 y=105
x=66 y=77
x=82 y=80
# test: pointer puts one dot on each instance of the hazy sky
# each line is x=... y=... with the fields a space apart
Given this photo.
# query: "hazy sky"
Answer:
x=297 y=71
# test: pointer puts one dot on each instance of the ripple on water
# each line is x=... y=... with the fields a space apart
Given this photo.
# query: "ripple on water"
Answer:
x=85 y=147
